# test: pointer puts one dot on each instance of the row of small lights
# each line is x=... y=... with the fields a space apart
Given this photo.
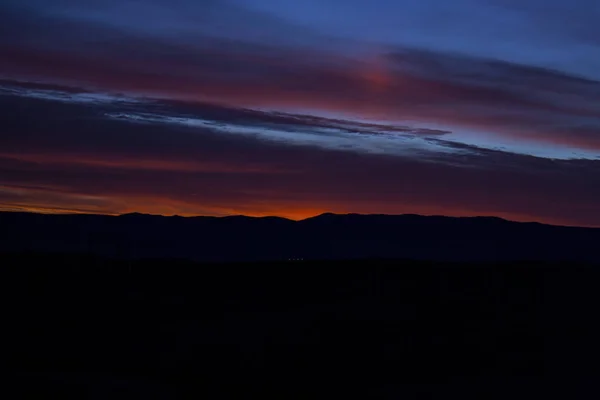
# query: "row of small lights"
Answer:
x=295 y=259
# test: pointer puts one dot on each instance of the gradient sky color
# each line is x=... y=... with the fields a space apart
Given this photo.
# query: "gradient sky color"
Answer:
x=263 y=107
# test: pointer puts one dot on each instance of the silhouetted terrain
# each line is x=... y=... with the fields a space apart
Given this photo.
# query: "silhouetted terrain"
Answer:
x=328 y=236
x=116 y=307
x=89 y=327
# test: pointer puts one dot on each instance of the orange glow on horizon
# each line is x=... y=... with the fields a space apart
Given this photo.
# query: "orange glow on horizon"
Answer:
x=168 y=207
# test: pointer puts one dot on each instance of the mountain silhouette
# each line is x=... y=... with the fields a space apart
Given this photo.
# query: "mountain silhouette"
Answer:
x=92 y=322
x=323 y=237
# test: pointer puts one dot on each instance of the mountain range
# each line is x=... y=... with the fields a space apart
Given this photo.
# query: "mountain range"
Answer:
x=324 y=237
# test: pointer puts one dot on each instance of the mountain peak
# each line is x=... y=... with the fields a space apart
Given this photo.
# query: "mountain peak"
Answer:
x=135 y=215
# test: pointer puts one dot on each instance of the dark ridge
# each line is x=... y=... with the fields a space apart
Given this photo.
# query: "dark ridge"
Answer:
x=324 y=237
x=138 y=215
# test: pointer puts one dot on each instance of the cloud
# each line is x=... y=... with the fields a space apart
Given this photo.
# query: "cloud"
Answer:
x=70 y=155
x=442 y=91
x=276 y=127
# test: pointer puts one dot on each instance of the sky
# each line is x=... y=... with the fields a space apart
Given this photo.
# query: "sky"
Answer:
x=295 y=108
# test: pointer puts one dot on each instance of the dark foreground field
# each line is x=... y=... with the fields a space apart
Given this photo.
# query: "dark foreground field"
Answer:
x=86 y=327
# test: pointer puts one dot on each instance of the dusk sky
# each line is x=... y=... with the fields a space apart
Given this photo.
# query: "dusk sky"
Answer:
x=295 y=108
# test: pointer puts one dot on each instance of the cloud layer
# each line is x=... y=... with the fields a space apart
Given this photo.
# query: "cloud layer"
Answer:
x=479 y=99
x=217 y=107
x=64 y=153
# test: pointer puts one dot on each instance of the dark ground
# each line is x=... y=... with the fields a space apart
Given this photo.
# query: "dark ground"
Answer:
x=83 y=327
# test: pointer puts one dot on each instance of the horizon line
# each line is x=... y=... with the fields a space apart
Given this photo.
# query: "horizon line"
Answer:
x=61 y=212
